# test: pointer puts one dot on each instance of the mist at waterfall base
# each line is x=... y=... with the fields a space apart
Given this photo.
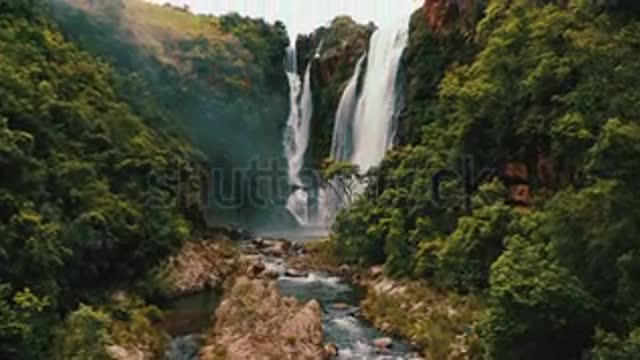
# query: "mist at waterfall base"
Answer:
x=364 y=123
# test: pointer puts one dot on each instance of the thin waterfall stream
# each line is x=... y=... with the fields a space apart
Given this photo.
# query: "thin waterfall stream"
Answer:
x=296 y=138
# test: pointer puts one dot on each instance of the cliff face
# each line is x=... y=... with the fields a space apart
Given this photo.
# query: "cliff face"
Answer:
x=451 y=15
x=427 y=57
x=338 y=48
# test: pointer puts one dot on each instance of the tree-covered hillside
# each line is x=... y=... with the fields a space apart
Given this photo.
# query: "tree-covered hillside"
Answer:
x=85 y=201
x=108 y=113
x=219 y=79
x=544 y=95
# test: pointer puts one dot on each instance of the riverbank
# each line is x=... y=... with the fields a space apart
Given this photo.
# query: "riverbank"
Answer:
x=278 y=286
x=255 y=322
x=360 y=313
x=440 y=324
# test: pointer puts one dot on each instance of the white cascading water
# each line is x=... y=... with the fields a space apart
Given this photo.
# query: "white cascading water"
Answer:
x=364 y=126
x=341 y=143
x=296 y=139
x=373 y=122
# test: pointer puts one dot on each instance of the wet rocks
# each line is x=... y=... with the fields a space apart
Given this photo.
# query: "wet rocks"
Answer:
x=330 y=351
x=295 y=273
x=384 y=343
x=271 y=247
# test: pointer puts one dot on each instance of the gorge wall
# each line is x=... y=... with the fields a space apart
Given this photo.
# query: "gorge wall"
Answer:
x=339 y=46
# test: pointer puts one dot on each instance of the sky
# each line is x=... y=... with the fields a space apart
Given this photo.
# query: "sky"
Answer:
x=303 y=16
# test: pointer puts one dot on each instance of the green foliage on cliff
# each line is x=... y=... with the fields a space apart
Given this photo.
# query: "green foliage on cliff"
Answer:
x=220 y=80
x=546 y=94
x=338 y=46
x=88 y=331
x=85 y=203
x=99 y=113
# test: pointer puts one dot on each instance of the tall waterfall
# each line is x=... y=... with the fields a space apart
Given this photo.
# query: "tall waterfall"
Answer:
x=373 y=122
x=364 y=125
x=296 y=138
x=342 y=142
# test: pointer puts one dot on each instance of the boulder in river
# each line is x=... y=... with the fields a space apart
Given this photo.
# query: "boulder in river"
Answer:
x=295 y=273
x=255 y=322
x=341 y=306
x=345 y=270
x=384 y=343
x=330 y=351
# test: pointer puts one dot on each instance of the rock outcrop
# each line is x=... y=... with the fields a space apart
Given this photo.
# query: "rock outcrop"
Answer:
x=200 y=265
x=255 y=319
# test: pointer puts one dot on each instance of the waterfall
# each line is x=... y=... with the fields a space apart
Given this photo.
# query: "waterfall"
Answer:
x=364 y=125
x=342 y=142
x=296 y=138
x=376 y=110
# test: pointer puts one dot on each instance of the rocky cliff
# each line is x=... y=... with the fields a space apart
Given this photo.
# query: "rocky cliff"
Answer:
x=334 y=51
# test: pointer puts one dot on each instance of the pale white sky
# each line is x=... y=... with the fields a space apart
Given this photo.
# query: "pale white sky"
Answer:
x=303 y=16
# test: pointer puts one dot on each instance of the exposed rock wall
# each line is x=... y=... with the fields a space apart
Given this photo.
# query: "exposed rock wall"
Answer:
x=200 y=265
x=338 y=48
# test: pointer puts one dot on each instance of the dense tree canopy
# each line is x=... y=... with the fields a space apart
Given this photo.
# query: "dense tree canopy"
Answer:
x=220 y=80
x=96 y=160
x=546 y=94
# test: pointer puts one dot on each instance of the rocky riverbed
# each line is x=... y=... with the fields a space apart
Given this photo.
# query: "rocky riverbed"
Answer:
x=276 y=307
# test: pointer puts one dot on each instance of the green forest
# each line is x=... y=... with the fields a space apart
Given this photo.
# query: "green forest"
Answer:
x=102 y=172
x=545 y=95
x=513 y=183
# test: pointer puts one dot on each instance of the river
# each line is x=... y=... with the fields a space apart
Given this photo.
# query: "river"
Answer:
x=188 y=318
